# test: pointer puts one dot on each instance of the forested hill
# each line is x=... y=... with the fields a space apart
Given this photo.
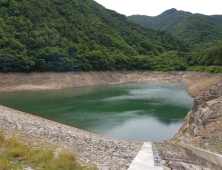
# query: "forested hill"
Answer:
x=165 y=21
x=201 y=31
x=66 y=35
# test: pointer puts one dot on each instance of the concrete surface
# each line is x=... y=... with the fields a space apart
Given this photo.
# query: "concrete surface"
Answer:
x=145 y=158
x=207 y=155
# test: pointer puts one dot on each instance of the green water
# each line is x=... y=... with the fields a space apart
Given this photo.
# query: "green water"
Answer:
x=133 y=112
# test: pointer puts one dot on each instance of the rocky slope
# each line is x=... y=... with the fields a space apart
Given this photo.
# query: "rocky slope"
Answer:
x=89 y=148
x=203 y=124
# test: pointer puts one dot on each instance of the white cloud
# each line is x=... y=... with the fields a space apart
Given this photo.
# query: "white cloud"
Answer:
x=156 y=7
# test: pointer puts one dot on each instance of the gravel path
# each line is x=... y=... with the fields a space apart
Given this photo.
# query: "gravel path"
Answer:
x=105 y=153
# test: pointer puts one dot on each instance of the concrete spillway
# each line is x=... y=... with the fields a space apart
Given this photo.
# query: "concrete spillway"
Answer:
x=147 y=158
x=159 y=156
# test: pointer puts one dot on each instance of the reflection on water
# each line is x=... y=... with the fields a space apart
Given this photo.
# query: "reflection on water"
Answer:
x=135 y=112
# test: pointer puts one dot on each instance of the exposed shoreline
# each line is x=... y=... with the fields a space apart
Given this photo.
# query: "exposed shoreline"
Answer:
x=89 y=147
x=195 y=82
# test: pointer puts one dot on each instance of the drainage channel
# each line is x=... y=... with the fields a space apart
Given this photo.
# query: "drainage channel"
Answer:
x=172 y=159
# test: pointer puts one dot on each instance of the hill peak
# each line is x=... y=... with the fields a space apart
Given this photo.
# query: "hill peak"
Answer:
x=169 y=11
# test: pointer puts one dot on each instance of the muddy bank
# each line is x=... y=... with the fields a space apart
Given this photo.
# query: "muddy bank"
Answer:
x=195 y=82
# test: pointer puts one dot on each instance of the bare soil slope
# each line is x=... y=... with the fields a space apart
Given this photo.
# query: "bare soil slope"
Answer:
x=195 y=82
x=199 y=82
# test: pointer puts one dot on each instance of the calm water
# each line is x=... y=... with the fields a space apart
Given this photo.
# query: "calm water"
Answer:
x=134 y=112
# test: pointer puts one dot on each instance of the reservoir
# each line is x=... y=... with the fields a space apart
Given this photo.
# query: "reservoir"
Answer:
x=132 y=112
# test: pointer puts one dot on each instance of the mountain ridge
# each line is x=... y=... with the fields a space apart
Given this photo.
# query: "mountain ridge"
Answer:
x=182 y=24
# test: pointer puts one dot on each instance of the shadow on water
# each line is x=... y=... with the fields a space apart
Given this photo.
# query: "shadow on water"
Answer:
x=136 y=112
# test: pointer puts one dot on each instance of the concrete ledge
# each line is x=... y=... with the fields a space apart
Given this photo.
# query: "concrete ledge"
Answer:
x=214 y=158
x=145 y=159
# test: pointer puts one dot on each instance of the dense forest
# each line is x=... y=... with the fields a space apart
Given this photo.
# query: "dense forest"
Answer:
x=72 y=35
x=201 y=32
x=67 y=35
x=197 y=29
x=210 y=60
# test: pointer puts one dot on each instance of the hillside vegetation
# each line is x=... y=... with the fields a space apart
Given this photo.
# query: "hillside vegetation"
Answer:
x=165 y=21
x=213 y=56
x=209 y=61
x=67 y=35
x=197 y=29
x=200 y=31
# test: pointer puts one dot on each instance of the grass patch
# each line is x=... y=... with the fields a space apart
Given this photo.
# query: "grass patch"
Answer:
x=16 y=149
x=16 y=153
x=203 y=147
x=4 y=164
x=219 y=145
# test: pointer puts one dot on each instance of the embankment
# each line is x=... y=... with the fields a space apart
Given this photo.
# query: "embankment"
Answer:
x=90 y=148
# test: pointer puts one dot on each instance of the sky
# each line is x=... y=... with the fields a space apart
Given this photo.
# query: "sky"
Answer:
x=156 y=7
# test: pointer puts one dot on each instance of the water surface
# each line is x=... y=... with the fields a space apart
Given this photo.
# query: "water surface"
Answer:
x=133 y=112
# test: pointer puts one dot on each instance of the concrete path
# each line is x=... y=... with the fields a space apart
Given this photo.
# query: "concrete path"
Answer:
x=147 y=158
